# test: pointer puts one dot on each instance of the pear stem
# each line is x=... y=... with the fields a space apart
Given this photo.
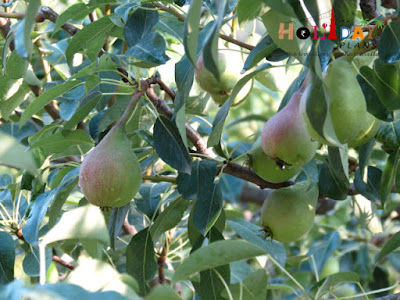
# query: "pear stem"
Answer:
x=129 y=109
x=160 y=178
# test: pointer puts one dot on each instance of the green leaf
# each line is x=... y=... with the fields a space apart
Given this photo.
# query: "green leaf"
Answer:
x=7 y=258
x=169 y=218
x=222 y=113
x=31 y=262
x=264 y=48
x=191 y=33
x=85 y=223
x=254 y=287
x=214 y=255
x=45 y=98
x=92 y=37
x=169 y=145
x=86 y=105
x=392 y=244
x=388 y=176
x=23 y=43
x=367 y=82
x=140 y=259
x=61 y=141
x=248 y=10
x=8 y=106
x=251 y=233
x=211 y=285
x=74 y=12
x=15 y=155
x=333 y=280
x=367 y=214
x=387 y=83
x=208 y=207
x=389 y=44
x=16 y=66
x=369 y=184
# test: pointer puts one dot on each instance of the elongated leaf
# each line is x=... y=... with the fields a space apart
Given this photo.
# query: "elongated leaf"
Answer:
x=264 y=48
x=61 y=141
x=169 y=146
x=45 y=99
x=23 y=43
x=83 y=223
x=214 y=255
x=389 y=45
x=248 y=10
x=191 y=32
x=75 y=12
x=392 y=244
x=140 y=259
x=388 y=176
x=335 y=279
x=92 y=37
x=31 y=262
x=7 y=258
x=367 y=213
x=115 y=222
x=251 y=233
x=169 y=218
x=254 y=287
x=222 y=113
x=15 y=155
x=369 y=184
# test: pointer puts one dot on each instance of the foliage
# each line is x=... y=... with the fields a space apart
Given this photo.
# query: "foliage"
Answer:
x=193 y=229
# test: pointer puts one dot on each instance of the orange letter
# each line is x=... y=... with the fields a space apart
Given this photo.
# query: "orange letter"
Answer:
x=283 y=31
x=370 y=30
x=358 y=33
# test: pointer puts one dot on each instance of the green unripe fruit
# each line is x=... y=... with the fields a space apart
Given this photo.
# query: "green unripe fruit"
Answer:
x=347 y=107
x=267 y=168
x=110 y=174
x=286 y=138
x=288 y=213
x=221 y=89
x=370 y=129
x=331 y=267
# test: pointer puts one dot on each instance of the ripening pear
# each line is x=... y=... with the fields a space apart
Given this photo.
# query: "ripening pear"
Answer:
x=370 y=129
x=229 y=72
x=347 y=107
x=267 y=168
x=110 y=174
x=285 y=137
x=288 y=213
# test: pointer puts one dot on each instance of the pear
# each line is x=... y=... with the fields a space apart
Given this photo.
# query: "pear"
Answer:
x=110 y=174
x=288 y=213
x=267 y=168
x=347 y=107
x=229 y=71
x=285 y=137
x=370 y=129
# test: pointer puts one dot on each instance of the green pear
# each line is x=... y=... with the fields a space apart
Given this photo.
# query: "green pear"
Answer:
x=285 y=137
x=288 y=213
x=229 y=72
x=347 y=107
x=267 y=168
x=110 y=174
x=370 y=129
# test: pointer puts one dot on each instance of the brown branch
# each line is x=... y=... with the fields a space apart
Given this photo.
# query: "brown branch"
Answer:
x=165 y=88
x=389 y=4
x=127 y=228
x=49 y=14
x=55 y=258
x=62 y=262
x=18 y=16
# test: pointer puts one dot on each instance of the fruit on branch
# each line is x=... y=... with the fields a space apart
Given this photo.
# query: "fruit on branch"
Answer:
x=267 y=168
x=332 y=266
x=347 y=107
x=285 y=137
x=110 y=174
x=229 y=72
x=370 y=129
x=288 y=213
